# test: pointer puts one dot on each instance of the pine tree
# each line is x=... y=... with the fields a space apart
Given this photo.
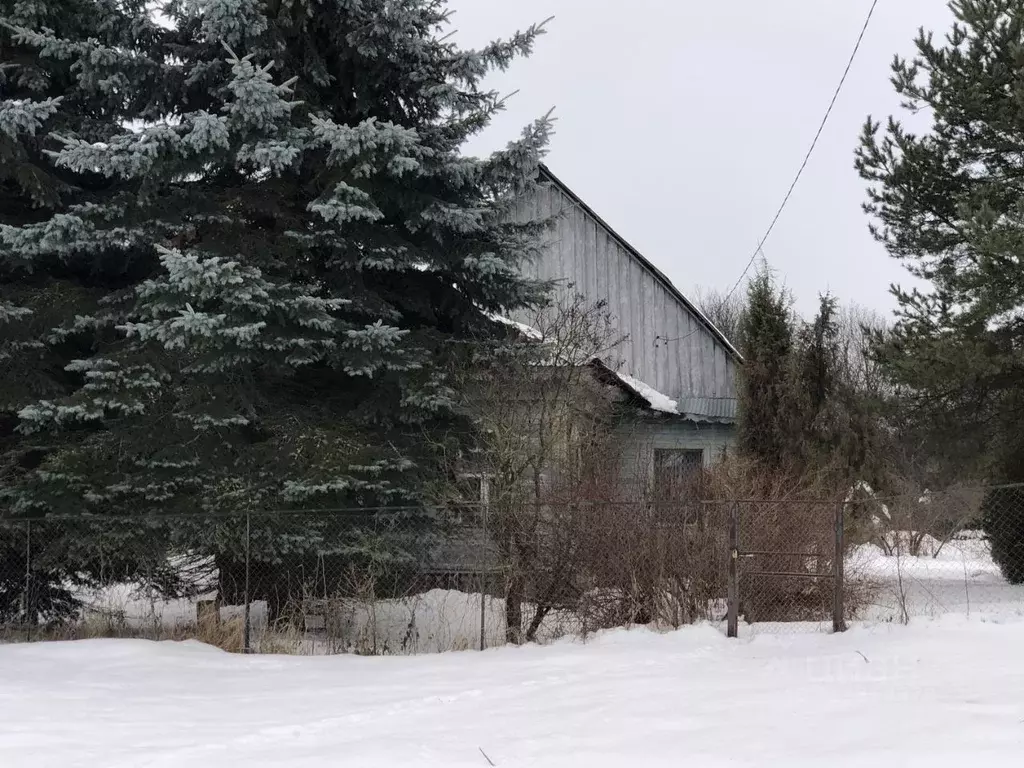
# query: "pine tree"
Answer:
x=766 y=397
x=301 y=245
x=1001 y=519
x=948 y=205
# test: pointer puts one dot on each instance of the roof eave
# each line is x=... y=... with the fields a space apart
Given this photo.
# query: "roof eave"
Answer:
x=607 y=376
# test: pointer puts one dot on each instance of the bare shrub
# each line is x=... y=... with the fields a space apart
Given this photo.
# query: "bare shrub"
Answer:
x=650 y=565
x=225 y=634
x=581 y=544
x=903 y=529
x=919 y=523
x=540 y=416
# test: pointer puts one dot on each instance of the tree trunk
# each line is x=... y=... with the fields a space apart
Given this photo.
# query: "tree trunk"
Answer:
x=514 y=610
x=538 y=619
x=515 y=586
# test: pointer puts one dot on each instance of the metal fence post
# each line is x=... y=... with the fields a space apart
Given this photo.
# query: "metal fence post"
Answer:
x=483 y=584
x=733 y=623
x=838 y=621
x=483 y=613
x=246 y=631
x=29 y=602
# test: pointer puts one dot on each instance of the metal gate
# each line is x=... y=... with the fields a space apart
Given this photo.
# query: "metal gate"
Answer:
x=785 y=563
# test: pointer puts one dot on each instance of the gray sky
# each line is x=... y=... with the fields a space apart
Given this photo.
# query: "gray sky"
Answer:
x=682 y=123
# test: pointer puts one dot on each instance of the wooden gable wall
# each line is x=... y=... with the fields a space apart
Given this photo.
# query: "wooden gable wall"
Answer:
x=669 y=346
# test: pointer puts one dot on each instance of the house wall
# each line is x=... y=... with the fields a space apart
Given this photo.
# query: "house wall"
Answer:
x=667 y=346
x=474 y=551
x=640 y=439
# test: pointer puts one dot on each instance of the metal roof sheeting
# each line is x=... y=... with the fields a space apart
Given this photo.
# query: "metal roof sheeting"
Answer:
x=718 y=409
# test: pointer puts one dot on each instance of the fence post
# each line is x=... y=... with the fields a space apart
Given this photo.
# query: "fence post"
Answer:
x=246 y=636
x=838 y=622
x=483 y=583
x=733 y=623
x=29 y=603
x=483 y=613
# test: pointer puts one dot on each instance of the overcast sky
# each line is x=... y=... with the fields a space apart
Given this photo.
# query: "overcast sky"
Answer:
x=682 y=123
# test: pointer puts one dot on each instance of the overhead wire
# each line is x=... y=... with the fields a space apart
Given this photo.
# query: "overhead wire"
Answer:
x=800 y=171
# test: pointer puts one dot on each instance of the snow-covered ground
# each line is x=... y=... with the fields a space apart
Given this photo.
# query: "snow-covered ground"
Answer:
x=955 y=577
x=436 y=621
x=942 y=692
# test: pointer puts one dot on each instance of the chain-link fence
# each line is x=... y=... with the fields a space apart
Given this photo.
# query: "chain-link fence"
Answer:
x=815 y=565
x=927 y=554
x=409 y=580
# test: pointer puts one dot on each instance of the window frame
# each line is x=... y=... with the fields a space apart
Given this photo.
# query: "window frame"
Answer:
x=666 y=509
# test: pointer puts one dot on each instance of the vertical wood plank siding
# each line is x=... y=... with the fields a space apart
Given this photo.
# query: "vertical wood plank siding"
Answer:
x=668 y=347
x=639 y=440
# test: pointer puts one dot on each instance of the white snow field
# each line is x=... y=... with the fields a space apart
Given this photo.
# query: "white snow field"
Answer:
x=958 y=576
x=939 y=692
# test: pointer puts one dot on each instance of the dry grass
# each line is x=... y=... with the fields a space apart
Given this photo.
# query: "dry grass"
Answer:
x=226 y=635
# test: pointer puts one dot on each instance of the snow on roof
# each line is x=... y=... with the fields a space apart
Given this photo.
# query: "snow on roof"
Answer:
x=657 y=400
x=716 y=410
x=527 y=331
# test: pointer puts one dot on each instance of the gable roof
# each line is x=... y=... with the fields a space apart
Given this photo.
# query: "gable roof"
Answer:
x=547 y=175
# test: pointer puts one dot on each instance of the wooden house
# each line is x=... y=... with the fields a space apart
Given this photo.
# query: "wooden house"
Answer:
x=673 y=358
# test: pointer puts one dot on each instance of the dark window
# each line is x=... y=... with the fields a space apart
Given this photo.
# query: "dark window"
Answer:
x=677 y=481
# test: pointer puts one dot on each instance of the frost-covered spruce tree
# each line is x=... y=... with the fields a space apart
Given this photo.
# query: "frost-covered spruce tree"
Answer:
x=305 y=243
x=69 y=80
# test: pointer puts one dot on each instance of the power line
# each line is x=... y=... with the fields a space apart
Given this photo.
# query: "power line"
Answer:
x=810 y=150
x=803 y=165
